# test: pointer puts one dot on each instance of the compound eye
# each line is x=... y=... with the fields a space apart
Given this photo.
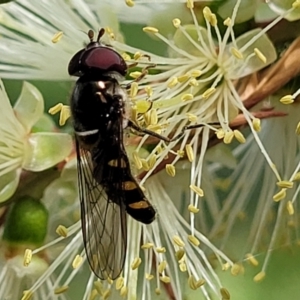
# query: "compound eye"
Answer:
x=103 y=59
x=74 y=67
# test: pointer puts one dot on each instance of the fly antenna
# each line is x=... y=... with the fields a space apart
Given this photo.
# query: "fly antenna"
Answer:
x=91 y=35
x=100 y=34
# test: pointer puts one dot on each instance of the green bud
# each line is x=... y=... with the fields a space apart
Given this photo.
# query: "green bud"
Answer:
x=26 y=222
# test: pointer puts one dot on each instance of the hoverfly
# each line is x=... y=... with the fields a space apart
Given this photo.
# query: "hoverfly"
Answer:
x=107 y=189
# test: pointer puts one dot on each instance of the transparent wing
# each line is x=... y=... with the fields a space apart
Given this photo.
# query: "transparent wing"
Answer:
x=103 y=220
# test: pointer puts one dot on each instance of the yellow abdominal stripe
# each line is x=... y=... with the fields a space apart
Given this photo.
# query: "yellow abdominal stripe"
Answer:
x=139 y=205
x=118 y=163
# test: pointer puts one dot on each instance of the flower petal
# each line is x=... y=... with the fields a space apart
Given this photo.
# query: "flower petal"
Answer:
x=183 y=43
x=8 y=184
x=46 y=149
x=29 y=106
x=245 y=12
x=253 y=40
x=281 y=6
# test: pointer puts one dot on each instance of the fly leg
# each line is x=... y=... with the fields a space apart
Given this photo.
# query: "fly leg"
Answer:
x=144 y=72
x=164 y=138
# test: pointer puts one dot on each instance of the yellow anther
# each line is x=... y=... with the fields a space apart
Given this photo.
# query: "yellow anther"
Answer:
x=178 y=241
x=290 y=208
x=119 y=283
x=137 y=160
x=65 y=114
x=193 y=209
x=147 y=246
x=259 y=54
x=142 y=106
x=165 y=279
x=200 y=282
x=197 y=190
x=61 y=289
x=137 y=55
x=225 y=294
x=153 y=116
x=227 y=22
x=189 y=152
x=213 y=20
x=193 y=82
x=192 y=282
x=99 y=287
x=135 y=74
x=124 y=291
x=172 y=82
x=27 y=257
x=280 y=195
x=259 y=277
x=161 y=250
x=256 y=124
x=109 y=280
x=226 y=266
x=183 y=78
x=252 y=260
x=180 y=153
x=170 y=169
x=285 y=184
x=207 y=13
x=239 y=136
x=228 y=137
x=55 y=109
x=236 y=53
x=77 y=261
x=27 y=294
x=237 y=269
x=126 y=56
x=150 y=29
x=145 y=164
x=179 y=254
x=149 y=90
x=208 y=93
x=176 y=22
x=190 y=4
x=195 y=73
x=182 y=267
x=134 y=88
x=129 y=3
x=62 y=231
x=161 y=267
x=187 y=97
x=220 y=133
x=94 y=294
x=296 y=177
x=288 y=99
x=152 y=161
x=149 y=276
x=193 y=240
x=57 y=37
x=136 y=263
x=106 y=294
x=192 y=117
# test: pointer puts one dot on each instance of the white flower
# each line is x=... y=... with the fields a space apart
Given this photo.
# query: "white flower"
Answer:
x=30 y=31
x=20 y=148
